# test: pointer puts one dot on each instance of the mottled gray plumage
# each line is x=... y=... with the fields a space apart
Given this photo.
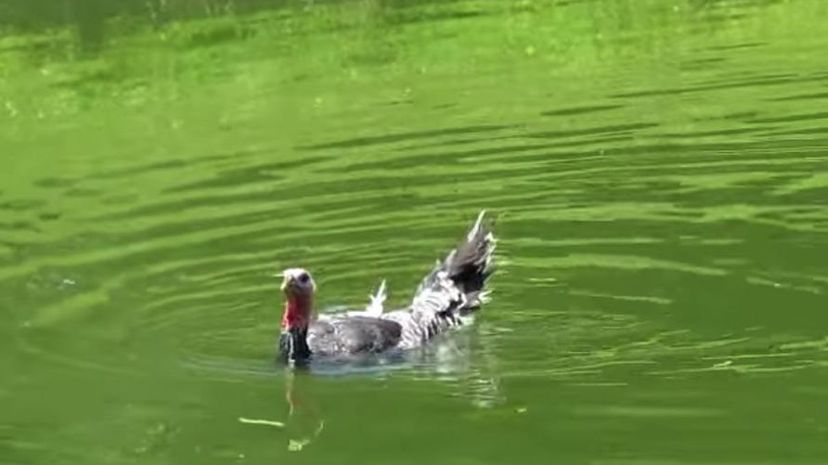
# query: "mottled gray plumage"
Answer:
x=352 y=335
x=445 y=298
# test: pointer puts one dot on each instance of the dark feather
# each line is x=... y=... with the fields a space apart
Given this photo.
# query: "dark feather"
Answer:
x=351 y=335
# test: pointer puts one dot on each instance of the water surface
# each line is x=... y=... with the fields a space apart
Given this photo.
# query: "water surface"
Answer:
x=657 y=173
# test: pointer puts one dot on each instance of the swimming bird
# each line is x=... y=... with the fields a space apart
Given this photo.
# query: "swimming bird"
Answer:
x=445 y=299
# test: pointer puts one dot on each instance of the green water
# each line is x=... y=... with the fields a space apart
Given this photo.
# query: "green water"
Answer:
x=657 y=172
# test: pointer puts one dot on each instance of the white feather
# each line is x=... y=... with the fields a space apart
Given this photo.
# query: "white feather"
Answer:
x=476 y=228
x=375 y=307
x=377 y=300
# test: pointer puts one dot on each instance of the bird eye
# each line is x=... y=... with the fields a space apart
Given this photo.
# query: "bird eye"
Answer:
x=303 y=278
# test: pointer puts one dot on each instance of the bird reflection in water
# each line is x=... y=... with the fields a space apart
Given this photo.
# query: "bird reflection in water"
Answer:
x=304 y=420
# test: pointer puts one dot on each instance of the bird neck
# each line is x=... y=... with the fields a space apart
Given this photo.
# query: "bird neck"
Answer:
x=297 y=312
x=293 y=342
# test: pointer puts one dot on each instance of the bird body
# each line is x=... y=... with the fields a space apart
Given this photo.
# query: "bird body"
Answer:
x=445 y=299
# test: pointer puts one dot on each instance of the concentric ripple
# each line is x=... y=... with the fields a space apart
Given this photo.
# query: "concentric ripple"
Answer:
x=658 y=188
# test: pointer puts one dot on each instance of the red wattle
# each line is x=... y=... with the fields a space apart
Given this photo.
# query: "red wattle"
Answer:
x=297 y=312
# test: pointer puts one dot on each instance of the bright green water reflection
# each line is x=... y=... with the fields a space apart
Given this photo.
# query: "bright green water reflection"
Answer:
x=658 y=171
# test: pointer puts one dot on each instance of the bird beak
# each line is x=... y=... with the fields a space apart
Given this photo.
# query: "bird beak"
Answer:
x=286 y=281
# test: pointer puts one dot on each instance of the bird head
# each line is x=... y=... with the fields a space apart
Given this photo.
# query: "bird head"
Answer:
x=299 y=288
x=297 y=282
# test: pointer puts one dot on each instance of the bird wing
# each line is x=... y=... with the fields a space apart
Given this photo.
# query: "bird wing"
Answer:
x=353 y=335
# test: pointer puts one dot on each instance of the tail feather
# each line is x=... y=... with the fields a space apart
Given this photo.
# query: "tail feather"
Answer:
x=471 y=263
x=456 y=285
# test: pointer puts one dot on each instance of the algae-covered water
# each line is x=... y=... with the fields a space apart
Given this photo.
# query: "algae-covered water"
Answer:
x=657 y=172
